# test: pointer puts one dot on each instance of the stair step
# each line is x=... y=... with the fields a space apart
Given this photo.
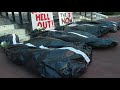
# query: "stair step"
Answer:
x=20 y=32
x=6 y=27
x=5 y=21
x=12 y=31
x=23 y=38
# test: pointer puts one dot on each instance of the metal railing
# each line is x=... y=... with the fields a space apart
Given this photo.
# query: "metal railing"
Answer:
x=93 y=15
x=85 y=15
x=21 y=18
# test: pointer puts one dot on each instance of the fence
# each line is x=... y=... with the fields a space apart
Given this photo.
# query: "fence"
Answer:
x=24 y=19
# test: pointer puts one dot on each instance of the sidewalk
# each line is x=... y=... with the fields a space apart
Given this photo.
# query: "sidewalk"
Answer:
x=113 y=18
x=10 y=70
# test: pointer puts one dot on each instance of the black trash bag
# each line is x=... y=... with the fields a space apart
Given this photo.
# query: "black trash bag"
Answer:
x=34 y=33
x=10 y=39
x=59 y=28
x=111 y=25
x=118 y=24
x=90 y=28
x=80 y=36
x=93 y=29
x=104 y=43
x=16 y=53
x=57 y=65
x=52 y=43
x=48 y=42
x=98 y=28
x=57 y=43
x=48 y=63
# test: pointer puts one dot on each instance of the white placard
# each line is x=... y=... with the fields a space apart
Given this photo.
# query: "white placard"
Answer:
x=42 y=19
x=65 y=17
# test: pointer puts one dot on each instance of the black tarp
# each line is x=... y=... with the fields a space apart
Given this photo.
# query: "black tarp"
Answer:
x=9 y=38
x=48 y=57
x=57 y=43
x=98 y=28
x=79 y=36
x=49 y=63
x=93 y=29
x=111 y=25
x=48 y=42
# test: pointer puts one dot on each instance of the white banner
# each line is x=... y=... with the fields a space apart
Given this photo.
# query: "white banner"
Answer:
x=42 y=19
x=65 y=17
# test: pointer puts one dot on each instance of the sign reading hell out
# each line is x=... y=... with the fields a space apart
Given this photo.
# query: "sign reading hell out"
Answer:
x=43 y=20
x=65 y=17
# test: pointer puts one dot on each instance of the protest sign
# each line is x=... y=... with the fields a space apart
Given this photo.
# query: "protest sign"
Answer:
x=43 y=20
x=65 y=17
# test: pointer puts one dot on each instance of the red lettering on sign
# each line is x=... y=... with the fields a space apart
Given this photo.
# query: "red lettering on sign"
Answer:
x=48 y=17
x=66 y=20
x=53 y=23
x=69 y=15
x=63 y=20
x=39 y=24
x=70 y=19
x=45 y=18
x=46 y=24
x=38 y=18
x=34 y=12
x=41 y=17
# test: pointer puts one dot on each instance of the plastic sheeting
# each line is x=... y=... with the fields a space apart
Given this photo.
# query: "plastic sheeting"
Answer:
x=93 y=29
x=47 y=41
x=64 y=62
x=111 y=25
x=48 y=57
x=57 y=43
x=98 y=28
x=10 y=39
x=79 y=36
